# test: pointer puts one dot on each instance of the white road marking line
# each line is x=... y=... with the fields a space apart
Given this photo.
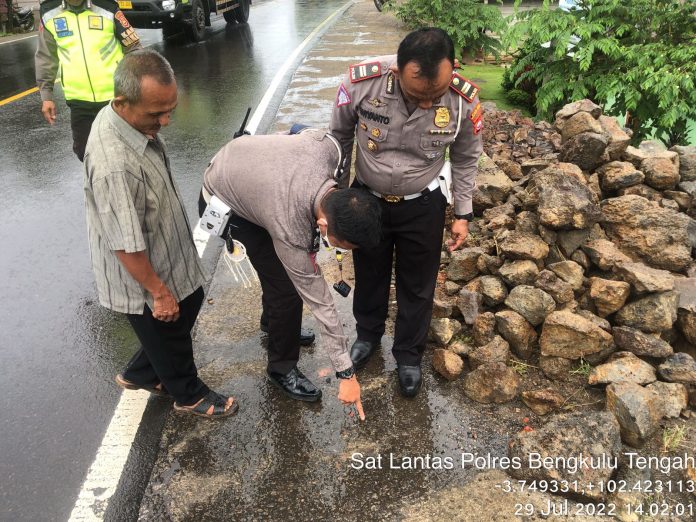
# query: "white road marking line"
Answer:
x=19 y=39
x=105 y=472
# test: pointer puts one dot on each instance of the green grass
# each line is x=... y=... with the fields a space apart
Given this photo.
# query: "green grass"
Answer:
x=489 y=79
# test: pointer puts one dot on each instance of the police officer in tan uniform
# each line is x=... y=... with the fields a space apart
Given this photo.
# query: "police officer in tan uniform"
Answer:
x=404 y=112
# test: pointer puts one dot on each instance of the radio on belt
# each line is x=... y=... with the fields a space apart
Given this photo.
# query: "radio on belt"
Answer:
x=215 y=217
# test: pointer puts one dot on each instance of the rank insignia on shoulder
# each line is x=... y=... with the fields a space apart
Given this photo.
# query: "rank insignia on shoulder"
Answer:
x=464 y=87
x=390 y=83
x=342 y=97
x=364 y=71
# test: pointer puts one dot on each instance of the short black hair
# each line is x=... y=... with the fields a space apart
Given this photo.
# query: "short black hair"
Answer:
x=427 y=47
x=353 y=215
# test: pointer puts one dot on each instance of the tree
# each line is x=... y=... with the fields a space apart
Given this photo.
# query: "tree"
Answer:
x=636 y=57
x=468 y=22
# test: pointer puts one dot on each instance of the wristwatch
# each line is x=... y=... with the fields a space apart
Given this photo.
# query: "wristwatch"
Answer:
x=346 y=374
x=468 y=217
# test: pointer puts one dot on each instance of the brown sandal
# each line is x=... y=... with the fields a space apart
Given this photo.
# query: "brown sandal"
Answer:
x=214 y=399
x=127 y=385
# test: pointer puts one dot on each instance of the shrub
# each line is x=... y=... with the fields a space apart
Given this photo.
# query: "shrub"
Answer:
x=466 y=21
x=635 y=57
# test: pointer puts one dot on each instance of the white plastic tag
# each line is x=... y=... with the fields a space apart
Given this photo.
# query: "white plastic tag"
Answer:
x=444 y=177
x=215 y=216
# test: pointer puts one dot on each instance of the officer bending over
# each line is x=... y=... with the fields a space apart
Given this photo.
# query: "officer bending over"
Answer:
x=283 y=195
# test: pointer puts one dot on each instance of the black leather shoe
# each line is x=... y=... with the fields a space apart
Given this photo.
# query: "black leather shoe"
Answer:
x=361 y=351
x=409 y=380
x=295 y=385
x=306 y=336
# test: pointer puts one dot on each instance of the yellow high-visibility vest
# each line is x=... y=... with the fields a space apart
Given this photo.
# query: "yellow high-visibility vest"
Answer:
x=88 y=50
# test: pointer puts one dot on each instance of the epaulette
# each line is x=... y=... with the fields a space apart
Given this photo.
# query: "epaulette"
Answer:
x=47 y=5
x=464 y=87
x=364 y=71
x=109 y=5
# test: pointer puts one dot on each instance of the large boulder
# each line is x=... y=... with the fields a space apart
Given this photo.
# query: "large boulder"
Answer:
x=447 y=364
x=463 y=265
x=557 y=368
x=637 y=409
x=553 y=285
x=673 y=398
x=641 y=344
x=564 y=202
x=522 y=272
x=644 y=279
x=493 y=290
x=570 y=272
x=531 y=303
x=543 y=401
x=469 y=304
x=686 y=313
x=653 y=313
x=680 y=367
x=484 y=328
x=572 y=336
x=619 y=174
x=524 y=246
x=498 y=350
x=594 y=435
x=618 y=139
x=517 y=331
x=622 y=367
x=643 y=229
x=492 y=185
x=660 y=173
x=492 y=383
x=579 y=123
x=687 y=162
x=604 y=253
x=571 y=109
x=585 y=150
x=442 y=330
x=608 y=296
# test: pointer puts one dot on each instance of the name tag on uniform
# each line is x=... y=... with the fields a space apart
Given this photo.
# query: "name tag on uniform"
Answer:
x=215 y=217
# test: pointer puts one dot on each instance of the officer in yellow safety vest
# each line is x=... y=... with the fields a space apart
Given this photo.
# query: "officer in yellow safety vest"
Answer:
x=85 y=39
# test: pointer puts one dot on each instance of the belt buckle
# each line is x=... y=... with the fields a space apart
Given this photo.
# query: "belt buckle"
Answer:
x=392 y=199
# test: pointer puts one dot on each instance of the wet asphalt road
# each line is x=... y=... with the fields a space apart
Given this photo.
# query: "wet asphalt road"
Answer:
x=59 y=349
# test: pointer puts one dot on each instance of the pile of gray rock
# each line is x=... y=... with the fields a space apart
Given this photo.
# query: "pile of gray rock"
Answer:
x=581 y=255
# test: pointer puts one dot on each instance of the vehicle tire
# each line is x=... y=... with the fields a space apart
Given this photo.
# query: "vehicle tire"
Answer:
x=170 y=29
x=241 y=13
x=29 y=25
x=196 y=29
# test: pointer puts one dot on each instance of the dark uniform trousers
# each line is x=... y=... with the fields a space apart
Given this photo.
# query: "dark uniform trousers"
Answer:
x=166 y=354
x=412 y=230
x=82 y=114
x=281 y=303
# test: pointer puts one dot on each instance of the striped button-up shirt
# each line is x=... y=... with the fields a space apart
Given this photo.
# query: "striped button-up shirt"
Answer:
x=133 y=205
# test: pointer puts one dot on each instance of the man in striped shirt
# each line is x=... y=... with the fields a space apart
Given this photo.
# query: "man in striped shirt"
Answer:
x=143 y=256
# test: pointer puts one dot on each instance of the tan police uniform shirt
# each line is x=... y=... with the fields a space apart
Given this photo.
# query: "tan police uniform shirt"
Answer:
x=400 y=153
x=277 y=182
